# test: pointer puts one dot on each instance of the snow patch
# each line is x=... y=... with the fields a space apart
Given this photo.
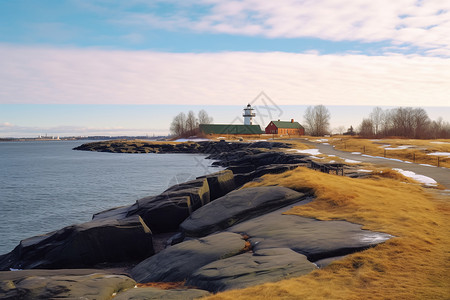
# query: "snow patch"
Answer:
x=364 y=171
x=356 y=152
x=309 y=151
x=446 y=154
x=420 y=178
x=403 y=147
x=387 y=158
x=439 y=143
x=351 y=161
x=321 y=141
x=427 y=165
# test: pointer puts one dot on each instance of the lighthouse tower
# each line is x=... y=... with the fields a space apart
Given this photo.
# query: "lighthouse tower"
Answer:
x=248 y=115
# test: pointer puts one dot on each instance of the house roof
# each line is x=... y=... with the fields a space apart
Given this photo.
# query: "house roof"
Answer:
x=230 y=129
x=287 y=124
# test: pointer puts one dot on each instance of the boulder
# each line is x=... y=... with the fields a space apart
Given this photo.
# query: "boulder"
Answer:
x=237 y=206
x=83 y=245
x=165 y=212
x=242 y=178
x=178 y=262
x=248 y=269
x=264 y=158
x=61 y=284
x=197 y=190
x=313 y=238
x=220 y=183
x=151 y=293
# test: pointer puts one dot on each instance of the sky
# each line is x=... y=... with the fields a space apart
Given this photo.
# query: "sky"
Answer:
x=97 y=67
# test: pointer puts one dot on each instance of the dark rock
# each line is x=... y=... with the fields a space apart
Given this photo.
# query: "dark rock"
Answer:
x=151 y=293
x=265 y=158
x=242 y=178
x=220 y=183
x=116 y=213
x=238 y=206
x=176 y=263
x=313 y=238
x=61 y=284
x=248 y=269
x=197 y=190
x=83 y=245
x=164 y=213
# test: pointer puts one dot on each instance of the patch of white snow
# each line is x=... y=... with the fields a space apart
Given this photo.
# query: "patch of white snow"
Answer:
x=446 y=154
x=310 y=151
x=351 y=161
x=420 y=178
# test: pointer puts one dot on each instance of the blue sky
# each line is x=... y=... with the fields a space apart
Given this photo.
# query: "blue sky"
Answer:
x=80 y=67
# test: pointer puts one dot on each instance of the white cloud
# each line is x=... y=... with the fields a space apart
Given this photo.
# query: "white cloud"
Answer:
x=49 y=75
x=423 y=24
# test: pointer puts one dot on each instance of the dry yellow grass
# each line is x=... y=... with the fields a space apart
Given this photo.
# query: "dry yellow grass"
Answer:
x=413 y=265
x=418 y=151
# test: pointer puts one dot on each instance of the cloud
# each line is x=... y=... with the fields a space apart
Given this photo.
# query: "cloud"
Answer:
x=423 y=24
x=5 y=125
x=91 y=76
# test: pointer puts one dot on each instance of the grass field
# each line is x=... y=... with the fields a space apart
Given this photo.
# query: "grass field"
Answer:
x=413 y=265
x=419 y=151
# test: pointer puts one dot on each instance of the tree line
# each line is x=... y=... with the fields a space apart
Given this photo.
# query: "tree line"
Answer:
x=187 y=125
x=405 y=122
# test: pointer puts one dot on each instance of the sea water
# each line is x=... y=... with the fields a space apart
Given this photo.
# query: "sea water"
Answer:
x=45 y=185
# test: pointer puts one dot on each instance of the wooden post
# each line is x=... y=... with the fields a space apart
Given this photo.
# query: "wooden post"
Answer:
x=384 y=152
x=414 y=156
x=438 y=160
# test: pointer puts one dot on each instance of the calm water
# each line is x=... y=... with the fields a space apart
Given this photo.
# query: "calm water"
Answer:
x=46 y=185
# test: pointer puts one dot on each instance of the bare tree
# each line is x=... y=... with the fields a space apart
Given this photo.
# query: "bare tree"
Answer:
x=204 y=118
x=185 y=126
x=421 y=123
x=366 y=129
x=317 y=120
x=339 y=130
x=178 y=125
x=406 y=122
x=191 y=123
x=376 y=116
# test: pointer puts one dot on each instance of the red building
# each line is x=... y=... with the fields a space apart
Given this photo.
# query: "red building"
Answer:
x=285 y=128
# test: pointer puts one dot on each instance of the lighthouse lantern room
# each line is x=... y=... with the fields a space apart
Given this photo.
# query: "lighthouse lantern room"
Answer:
x=248 y=115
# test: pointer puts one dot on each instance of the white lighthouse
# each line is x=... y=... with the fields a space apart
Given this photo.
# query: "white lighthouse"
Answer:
x=248 y=115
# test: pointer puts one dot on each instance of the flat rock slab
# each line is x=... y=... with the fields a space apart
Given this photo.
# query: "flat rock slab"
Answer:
x=248 y=269
x=178 y=262
x=313 y=238
x=236 y=207
x=83 y=245
x=56 y=285
x=150 y=293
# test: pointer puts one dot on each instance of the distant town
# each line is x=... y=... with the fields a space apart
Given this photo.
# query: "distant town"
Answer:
x=74 y=138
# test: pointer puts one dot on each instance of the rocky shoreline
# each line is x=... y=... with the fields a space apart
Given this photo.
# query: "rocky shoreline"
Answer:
x=206 y=233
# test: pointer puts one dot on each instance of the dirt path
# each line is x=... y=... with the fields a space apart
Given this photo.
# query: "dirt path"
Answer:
x=441 y=175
